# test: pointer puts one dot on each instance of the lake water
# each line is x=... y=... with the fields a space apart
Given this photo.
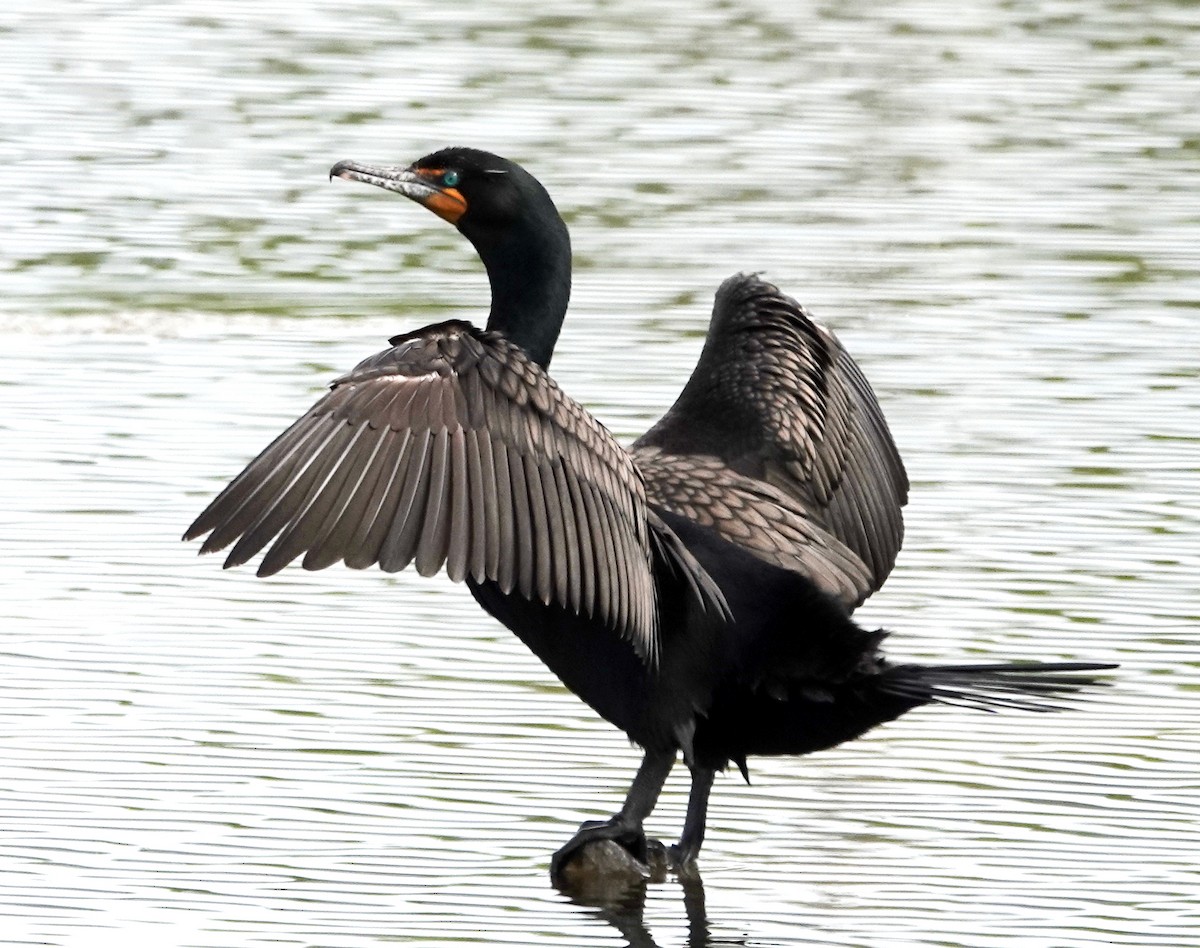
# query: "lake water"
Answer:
x=995 y=205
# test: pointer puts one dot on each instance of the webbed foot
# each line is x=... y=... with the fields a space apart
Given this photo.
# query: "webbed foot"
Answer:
x=628 y=852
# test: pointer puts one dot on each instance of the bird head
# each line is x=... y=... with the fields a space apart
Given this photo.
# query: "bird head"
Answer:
x=474 y=190
x=513 y=224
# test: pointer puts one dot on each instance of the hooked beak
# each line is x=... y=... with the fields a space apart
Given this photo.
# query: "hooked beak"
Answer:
x=421 y=186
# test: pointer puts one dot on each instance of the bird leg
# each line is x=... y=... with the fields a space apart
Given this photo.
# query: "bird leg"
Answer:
x=625 y=827
x=683 y=854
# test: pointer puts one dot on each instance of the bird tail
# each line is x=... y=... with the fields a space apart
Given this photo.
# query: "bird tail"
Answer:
x=1021 y=686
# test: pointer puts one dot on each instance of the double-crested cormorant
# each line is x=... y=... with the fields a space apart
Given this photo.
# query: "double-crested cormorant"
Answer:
x=696 y=589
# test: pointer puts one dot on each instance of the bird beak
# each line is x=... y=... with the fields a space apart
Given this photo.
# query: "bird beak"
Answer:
x=420 y=185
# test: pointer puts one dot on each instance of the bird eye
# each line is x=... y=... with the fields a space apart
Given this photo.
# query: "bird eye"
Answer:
x=450 y=179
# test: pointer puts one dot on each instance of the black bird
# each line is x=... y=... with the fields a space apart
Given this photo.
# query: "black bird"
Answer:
x=695 y=590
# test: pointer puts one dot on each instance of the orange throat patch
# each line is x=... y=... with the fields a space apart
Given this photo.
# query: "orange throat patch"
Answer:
x=448 y=204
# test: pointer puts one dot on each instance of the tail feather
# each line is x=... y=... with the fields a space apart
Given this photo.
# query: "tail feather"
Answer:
x=1023 y=686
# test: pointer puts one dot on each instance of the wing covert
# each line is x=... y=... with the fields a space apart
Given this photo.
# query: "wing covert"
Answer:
x=756 y=516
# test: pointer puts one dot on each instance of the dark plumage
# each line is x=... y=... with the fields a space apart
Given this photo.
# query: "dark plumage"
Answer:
x=696 y=590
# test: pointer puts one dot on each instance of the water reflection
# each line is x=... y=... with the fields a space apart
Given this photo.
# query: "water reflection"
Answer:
x=620 y=901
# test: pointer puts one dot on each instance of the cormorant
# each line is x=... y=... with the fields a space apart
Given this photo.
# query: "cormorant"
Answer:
x=696 y=589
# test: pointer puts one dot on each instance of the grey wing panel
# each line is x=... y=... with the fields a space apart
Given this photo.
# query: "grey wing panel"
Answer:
x=756 y=517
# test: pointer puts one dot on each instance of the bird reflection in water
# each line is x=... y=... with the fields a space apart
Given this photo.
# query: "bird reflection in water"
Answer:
x=605 y=879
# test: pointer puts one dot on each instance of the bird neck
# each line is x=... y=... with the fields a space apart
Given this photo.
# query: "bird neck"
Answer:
x=530 y=274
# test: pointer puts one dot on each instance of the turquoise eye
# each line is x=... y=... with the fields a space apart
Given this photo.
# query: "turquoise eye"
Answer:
x=450 y=179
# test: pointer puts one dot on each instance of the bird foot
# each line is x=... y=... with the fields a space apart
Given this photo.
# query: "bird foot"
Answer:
x=609 y=847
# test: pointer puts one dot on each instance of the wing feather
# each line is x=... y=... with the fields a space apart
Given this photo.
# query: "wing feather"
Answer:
x=303 y=473
x=568 y=569
x=467 y=534
x=434 y=519
x=584 y=575
x=332 y=544
x=600 y=603
x=540 y=518
x=324 y=501
x=240 y=501
x=507 y=551
x=363 y=547
x=399 y=545
x=523 y=553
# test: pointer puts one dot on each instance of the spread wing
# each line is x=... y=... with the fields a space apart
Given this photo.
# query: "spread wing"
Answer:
x=779 y=403
x=453 y=447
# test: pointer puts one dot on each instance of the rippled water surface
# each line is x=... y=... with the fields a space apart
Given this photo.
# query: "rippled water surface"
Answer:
x=995 y=206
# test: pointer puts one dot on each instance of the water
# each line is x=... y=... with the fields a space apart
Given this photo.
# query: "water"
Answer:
x=994 y=207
